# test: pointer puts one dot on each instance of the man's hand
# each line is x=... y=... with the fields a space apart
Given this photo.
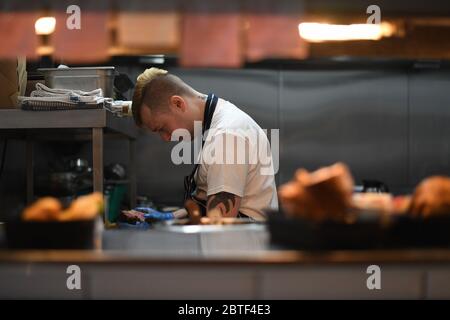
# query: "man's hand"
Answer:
x=144 y=213
x=224 y=204
x=133 y=215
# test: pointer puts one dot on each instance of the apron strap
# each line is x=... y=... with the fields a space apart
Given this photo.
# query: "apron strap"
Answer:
x=210 y=107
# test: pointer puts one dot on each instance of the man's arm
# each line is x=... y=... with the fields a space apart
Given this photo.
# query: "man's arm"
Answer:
x=225 y=203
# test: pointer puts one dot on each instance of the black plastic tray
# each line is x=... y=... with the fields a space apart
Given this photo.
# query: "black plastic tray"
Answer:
x=50 y=235
x=402 y=232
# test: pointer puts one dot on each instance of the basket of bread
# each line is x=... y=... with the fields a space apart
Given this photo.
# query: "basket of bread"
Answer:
x=46 y=224
x=320 y=210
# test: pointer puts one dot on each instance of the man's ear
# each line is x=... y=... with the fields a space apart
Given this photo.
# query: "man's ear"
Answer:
x=178 y=103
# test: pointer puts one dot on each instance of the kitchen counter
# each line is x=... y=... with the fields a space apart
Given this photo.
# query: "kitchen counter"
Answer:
x=273 y=257
x=229 y=247
x=220 y=265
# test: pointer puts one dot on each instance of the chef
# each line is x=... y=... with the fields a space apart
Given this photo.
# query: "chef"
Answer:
x=230 y=177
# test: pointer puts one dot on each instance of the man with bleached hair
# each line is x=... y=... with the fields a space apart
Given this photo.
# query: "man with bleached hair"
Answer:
x=231 y=177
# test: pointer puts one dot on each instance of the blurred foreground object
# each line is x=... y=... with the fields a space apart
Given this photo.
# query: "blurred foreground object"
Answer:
x=45 y=224
x=322 y=213
x=50 y=209
x=384 y=203
x=44 y=209
x=431 y=197
x=326 y=194
x=319 y=195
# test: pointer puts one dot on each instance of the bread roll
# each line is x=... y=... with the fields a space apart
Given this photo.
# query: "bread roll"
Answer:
x=44 y=209
x=323 y=194
x=372 y=201
x=83 y=208
x=431 y=197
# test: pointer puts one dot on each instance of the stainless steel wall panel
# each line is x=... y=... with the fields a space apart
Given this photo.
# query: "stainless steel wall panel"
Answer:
x=429 y=124
x=357 y=117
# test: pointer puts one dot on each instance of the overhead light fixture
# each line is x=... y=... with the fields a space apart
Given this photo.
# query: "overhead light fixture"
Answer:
x=45 y=25
x=319 y=32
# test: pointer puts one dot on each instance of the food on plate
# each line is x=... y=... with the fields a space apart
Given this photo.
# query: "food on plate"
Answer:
x=327 y=194
x=431 y=197
x=401 y=204
x=319 y=195
x=50 y=209
x=372 y=201
x=44 y=209
x=381 y=202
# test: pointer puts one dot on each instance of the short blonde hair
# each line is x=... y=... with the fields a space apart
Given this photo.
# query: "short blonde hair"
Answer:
x=155 y=87
x=139 y=90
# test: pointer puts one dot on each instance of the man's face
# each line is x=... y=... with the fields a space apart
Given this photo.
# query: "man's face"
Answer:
x=162 y=122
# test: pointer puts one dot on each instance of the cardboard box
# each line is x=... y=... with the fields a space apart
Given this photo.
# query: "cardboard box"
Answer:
x=13 y=82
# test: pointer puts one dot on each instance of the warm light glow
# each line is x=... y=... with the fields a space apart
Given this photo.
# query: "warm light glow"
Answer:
x=318 y=32
x=45 y=25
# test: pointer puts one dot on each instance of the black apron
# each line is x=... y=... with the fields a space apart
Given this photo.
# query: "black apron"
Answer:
x=190 y=185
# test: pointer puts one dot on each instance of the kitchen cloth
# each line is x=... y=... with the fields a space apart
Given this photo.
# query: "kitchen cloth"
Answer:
x=44 y=93
x=48 y=99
